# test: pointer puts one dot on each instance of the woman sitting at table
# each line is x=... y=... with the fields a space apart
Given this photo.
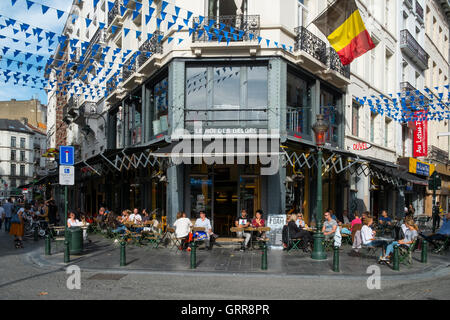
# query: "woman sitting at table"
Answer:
x=259 y=222
x=298 y=233
x=122 y=220
x=72 y=221
x=368 y=236
x=300 y=222
x=410 y=236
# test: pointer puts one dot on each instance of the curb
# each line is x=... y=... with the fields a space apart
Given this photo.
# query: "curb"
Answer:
x=36 y=258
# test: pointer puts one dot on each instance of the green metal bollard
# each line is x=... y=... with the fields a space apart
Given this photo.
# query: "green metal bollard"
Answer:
x=36 y=233
x=264 y=257
x=336 y=259
x=123 y=260
x=424 y=251
x=193 y=255
x=48 y=245
x=396 y=265
x=66 y=252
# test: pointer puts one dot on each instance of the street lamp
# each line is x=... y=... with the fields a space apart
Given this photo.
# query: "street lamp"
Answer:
x=320 y=129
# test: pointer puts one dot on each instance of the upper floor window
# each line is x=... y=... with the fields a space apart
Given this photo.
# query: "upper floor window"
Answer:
x=22 y=155
x=355 y=119
x=133 y=107
x=329 y=104
x=160 y=106
x=13 y=155
x=22 y=142
x=226 y=7
x=227 y=95
x=13 y=169
x=13 y=142
x=22 y=170
x=302 y=13
x=299 y=104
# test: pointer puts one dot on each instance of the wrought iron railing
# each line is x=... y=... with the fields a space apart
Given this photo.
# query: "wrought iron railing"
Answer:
x=129 y=67
x=306 y=41
x=98 y=38
x=111 y=83
x=114 y=11
x=415 y=49
x=221 y=28
x=335 y=63
x=406 y=87
x=152 y=45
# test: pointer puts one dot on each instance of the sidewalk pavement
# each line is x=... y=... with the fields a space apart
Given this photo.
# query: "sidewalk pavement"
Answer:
x=103 y=255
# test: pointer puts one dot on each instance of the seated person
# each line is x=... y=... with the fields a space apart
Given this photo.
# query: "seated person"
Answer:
x=203 y=222
x=243 y=222
x=410 y=236
x=182 y=228
x=345 y=219
x=329 y=226
x=300 y=222
x=367 y=236
x=122 y=220
x=333 y=216
x=356 y=220
x=72 y=221
x=442 y=234
x=259 y=222
x=385 y=220
x=296 y=232
x=135 y=217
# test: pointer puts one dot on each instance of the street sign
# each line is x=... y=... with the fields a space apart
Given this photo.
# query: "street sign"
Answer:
x=66 y=175
x=66 y=156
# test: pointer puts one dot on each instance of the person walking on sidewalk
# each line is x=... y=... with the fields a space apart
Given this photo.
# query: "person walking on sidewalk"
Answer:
x=8 y=207
x=17 y=228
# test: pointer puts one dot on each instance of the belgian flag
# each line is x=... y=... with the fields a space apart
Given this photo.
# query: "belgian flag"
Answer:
x=342 y=24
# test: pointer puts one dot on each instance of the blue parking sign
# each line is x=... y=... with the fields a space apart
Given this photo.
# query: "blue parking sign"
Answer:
x=66 y=155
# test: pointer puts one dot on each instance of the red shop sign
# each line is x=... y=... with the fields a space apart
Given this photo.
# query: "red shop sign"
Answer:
x=361 y=146
x=420 y=136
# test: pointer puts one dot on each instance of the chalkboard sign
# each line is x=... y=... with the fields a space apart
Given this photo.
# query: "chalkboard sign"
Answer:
x=276 y=224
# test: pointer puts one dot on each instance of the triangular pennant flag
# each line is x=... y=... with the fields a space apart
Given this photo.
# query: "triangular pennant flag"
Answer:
x=29 y=4
x=147 y=19
x=138 y=34
x=122 y=10
x=13 y=2
x=59 y=13
x=169 y=40
x=135 y=14
x=88 y=22
x=110 y=6
x=95 y=3
x=164 y=5
x=44 y=9
x=138 y=6
x=101 y=25
x=126 y=30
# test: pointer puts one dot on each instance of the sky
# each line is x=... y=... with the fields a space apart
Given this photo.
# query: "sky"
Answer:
x=35 y=18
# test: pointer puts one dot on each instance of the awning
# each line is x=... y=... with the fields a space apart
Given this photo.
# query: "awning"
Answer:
x=390 y=174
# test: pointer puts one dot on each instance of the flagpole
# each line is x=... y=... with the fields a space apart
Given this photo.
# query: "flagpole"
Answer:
x=323 y=11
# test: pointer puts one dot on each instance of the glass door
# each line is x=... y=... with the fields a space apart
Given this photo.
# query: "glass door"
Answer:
x=248 y=194
x=201 y=194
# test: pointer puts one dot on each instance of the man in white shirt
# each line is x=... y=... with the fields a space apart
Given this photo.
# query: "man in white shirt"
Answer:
x=135 y=217
x=182 y=228
x=203 y=222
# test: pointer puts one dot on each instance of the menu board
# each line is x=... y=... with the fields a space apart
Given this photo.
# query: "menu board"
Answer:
x=276 y=224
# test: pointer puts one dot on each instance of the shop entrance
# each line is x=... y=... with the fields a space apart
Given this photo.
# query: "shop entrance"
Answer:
x=222 y=191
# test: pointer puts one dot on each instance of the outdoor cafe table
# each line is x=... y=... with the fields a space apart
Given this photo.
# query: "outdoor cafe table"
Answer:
x=251 y=230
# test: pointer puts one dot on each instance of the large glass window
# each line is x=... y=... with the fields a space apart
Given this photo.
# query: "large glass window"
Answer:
x=329 y=108
x=226 y=7
x=160 y=106
x=298 y=105
x=227 y=96
x=133 y=107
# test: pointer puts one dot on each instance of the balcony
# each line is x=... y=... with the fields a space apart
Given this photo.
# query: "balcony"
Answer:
x=335 y=63
x=307 y=42
x=419 y=12
x=150 y=45
x=413 y=50
x=129 y=67
x=114 y=13
x=97 y=39
x=411 y=94
x=240 y=28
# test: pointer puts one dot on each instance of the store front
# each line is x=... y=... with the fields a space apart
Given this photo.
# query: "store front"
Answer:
x=222 y=191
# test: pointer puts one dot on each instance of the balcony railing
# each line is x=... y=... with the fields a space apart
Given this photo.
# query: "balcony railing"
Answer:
x=413 y=49
x=233 y=28
x=97 y=39
x=335 y=63
x=111 y=84
x=114 y=11
x=406 y=86
x=129 y=67
x=150 y=45
x=419 y=11
x=306 y=41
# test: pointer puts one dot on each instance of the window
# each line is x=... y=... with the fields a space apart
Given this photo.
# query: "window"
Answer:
x=13 y=169
x=226 y=7
x=329 y=108
x=22 y=142
x=299 y=104
x=302 y=13
x=160 y=106
x=355 y=119
x=387 y=129
x=13 y=183
x=373 y=117
x=13 y=142
x=22 y=170
x=22 y=155
x=227 y=96
x=13 y=155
